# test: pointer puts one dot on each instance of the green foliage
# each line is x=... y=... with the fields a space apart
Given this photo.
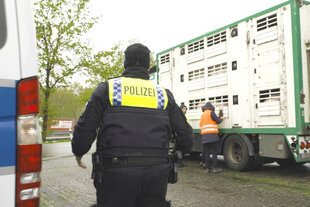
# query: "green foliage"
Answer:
x=84 y=94
x=111 y=64
x=60 y=28
x=152 y=60
x=67 y=103
x=63 y=51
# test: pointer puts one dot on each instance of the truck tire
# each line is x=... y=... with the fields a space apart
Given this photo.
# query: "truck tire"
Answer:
x=236 y=153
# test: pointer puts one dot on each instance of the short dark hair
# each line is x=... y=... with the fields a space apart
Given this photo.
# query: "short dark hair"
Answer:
x=203 y=108
x=183 y=106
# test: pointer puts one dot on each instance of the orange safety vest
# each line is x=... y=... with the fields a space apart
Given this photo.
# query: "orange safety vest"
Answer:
x=207 y=125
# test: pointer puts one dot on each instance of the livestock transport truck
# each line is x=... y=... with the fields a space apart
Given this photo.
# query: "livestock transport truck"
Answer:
x=258 y=70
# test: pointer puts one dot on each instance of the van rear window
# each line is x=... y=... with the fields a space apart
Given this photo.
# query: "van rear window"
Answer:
x=3 y=30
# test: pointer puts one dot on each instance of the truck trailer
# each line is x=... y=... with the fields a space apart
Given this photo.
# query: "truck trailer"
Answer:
x=258 y=70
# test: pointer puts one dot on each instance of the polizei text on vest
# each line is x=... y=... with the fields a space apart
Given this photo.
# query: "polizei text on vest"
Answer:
x=139 y=91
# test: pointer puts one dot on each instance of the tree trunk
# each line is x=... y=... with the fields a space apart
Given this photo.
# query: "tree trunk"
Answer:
x=45 y=115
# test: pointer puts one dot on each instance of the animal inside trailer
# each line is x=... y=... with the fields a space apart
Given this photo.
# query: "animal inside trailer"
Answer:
x=258 y=70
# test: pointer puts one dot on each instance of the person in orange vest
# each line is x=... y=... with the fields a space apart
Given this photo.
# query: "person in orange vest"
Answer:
x=203 y=163
x=210 y=138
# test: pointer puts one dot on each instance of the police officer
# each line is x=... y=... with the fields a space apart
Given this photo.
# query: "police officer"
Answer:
x=179 y=153
x=184 y=109
x=132 y=118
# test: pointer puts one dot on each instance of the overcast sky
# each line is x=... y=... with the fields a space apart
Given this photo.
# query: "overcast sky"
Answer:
x=162 y=24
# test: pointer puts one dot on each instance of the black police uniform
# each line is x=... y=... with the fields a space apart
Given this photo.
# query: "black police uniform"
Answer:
x=133 y=141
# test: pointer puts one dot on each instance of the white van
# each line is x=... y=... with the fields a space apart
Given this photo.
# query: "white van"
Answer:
x=20 y=142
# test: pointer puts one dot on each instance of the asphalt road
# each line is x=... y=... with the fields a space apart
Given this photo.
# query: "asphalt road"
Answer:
x=61 y=149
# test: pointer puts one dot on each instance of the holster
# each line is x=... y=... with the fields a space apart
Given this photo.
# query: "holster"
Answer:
x=98 y=165
x=173 y=170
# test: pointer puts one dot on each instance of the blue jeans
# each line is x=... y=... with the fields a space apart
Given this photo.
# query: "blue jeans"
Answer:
x=207 y=148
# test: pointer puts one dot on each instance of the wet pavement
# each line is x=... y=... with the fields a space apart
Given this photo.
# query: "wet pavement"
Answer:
x=61 y=149
x=66 y=184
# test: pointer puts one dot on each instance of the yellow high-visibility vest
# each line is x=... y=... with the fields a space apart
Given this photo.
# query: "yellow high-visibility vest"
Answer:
x=136 y=92
x=186 y=118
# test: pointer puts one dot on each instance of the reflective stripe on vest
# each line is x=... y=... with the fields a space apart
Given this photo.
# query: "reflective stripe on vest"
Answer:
x=207 y=125
x=136 y=92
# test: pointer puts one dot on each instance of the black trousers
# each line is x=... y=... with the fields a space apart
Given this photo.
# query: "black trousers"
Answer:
x=203 y=154
x=134 y=187
x=208 y=147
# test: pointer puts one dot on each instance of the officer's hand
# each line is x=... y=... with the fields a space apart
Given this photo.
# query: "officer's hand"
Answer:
x=79 y=162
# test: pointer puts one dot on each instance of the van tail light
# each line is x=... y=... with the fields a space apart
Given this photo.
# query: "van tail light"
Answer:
x=28 y=96
x=29 y=144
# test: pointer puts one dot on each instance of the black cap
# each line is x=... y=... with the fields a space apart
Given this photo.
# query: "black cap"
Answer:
x=137 y=55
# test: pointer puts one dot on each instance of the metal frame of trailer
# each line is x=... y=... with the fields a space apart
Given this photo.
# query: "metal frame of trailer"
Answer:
x=289 y=125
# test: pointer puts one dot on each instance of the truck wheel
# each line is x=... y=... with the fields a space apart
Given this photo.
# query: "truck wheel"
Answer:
x=236 y=153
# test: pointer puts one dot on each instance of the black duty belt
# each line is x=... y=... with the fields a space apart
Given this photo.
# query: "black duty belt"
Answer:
x=134 y=161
